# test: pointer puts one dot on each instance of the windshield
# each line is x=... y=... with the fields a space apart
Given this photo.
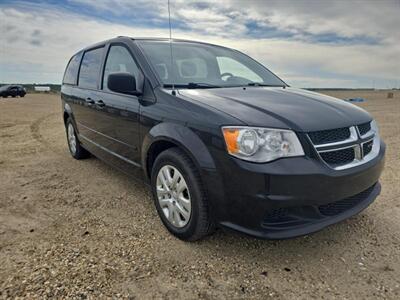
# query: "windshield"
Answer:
x=199 y=65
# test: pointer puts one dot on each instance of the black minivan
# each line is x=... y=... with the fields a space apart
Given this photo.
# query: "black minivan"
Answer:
x=221 y=140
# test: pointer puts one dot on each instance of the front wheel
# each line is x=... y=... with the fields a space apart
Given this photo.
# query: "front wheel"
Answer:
x=75 y=148
x=179 y=196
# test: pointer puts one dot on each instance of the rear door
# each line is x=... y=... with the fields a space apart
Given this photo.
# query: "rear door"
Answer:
x=87 y=94
x=117 y=118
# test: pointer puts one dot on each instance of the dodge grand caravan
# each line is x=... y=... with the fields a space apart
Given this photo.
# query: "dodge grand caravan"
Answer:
x=220 y=139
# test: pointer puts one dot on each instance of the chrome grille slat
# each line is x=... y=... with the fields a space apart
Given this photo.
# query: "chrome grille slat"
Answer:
x=355 y=148
x=351 y=139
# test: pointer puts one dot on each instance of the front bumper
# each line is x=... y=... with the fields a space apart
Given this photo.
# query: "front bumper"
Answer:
x=293 y=196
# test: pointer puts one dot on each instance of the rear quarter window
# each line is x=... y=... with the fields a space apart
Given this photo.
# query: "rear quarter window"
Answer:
x=90 y=68
x=71 y=72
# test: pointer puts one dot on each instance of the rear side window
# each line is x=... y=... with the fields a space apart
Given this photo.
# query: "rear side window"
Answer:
x=71 y=72
x=90 y=68
x=119 y=60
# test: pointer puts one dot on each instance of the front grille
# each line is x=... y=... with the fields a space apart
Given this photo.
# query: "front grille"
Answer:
x=364 y=128
x=344 y=148
x=338 y=157
x=367 y=147
x=335 y=208
x=329 y=136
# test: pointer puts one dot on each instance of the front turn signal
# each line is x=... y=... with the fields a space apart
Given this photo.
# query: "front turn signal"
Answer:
x=231 y=137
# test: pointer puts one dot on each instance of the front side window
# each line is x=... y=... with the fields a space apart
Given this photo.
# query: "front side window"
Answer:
x=205 y=65
x=119 y=60
x=71 y=72
x=90 y=68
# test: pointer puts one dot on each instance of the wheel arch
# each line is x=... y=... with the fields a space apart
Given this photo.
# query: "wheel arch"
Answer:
x=67 y=113
x=167 y=135
x=65 y=117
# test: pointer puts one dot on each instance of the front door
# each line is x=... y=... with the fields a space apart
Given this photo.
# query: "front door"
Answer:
x=117 y=115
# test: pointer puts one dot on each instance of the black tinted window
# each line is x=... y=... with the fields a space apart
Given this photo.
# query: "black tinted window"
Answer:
x=71 y=73
x=119 y=60
x=90 y=68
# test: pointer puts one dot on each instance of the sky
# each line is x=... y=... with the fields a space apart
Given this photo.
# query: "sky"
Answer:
x=308 y=43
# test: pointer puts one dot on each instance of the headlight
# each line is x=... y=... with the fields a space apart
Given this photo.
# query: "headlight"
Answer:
x=374 y=127
x=261 y=144
x=376 y=146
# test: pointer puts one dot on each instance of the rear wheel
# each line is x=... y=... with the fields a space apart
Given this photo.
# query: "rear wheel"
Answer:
x=179 y=196
x=75 y=148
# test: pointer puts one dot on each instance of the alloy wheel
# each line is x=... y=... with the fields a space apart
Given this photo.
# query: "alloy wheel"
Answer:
x=71 y=138
x=173 y=196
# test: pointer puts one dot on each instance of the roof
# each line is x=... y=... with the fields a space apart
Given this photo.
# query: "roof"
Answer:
x=99 y=44
x=168 y=39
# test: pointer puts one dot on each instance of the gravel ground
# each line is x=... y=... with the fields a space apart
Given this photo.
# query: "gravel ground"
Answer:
x=80 y=229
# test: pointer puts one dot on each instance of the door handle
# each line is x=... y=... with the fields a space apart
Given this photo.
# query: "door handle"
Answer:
x=89 y=101
x=100 y=103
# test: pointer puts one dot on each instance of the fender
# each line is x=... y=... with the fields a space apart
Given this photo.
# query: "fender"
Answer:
x=189 y=141
x=184 y=138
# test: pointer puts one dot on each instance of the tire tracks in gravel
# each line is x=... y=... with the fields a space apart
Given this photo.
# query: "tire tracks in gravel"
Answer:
x=35 y=130
x=49 y=181
x=60 y=155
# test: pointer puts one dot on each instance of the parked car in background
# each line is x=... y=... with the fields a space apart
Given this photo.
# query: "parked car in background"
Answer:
x=12 y=90
x=220 y=139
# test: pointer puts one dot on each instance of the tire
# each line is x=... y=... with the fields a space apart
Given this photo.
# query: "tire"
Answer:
x=199 y=223
x=74 y=146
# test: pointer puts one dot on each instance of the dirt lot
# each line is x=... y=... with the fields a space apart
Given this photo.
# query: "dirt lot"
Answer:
x=81 y=229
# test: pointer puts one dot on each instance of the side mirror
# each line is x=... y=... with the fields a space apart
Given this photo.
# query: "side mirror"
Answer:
x=124 y=83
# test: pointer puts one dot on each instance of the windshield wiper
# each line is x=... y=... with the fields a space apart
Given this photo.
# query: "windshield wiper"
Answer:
x=264 y=84
x=192 y=85
x=195 y=85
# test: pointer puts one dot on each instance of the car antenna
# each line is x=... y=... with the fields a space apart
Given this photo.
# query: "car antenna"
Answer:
x=170 y=47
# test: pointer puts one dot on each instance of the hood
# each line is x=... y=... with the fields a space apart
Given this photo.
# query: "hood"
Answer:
x=275 y=107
